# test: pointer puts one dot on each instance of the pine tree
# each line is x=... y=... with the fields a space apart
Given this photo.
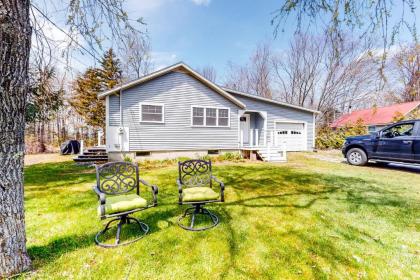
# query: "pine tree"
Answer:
x=85 y=101
x=92 y=82
x=111 y=70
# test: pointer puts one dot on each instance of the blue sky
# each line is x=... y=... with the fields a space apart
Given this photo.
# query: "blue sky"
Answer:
x=211 y=32
x=202 y=32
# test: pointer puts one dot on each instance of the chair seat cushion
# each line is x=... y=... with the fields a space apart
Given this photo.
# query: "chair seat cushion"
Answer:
x=123 y=203
x=198 y=194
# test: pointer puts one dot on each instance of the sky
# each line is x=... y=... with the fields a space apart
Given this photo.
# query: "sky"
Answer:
x=200 y=32
x=206 y=32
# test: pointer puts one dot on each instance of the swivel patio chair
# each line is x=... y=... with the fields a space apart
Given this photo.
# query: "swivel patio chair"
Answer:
x=118 y=190
x=195 y=189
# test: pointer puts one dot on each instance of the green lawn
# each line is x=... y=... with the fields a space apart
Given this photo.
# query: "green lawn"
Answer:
x=308 y=218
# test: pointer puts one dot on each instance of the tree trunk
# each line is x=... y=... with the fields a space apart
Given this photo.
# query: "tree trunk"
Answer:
x=15 y=36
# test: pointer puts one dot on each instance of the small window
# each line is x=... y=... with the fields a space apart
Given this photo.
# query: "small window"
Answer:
x=198 y=116
x=223 y=117
x=151 y=113
x=371 y=128
x=211 y=116
x=142 y=154
x=213 y=152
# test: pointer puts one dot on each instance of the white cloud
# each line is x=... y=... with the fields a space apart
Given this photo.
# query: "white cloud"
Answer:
x=163 y=59
x=201 y=2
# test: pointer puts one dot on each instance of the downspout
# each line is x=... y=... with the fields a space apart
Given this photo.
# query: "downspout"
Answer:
x=121 y=130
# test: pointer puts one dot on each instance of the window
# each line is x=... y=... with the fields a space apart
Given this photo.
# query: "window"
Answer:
x=372 y=128
x=209 y=116
x=142 y=154
x=405 y=129
x=223 y=117
x=151 y=112
x=198 y=116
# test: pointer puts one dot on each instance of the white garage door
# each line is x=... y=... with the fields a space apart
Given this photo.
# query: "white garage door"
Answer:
x=292 y=134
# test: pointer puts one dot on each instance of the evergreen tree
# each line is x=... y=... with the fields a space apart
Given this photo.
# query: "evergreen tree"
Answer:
x=92 y=82
x=111 y=70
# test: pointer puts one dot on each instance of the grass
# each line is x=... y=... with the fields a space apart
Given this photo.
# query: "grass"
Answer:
x=308 y=218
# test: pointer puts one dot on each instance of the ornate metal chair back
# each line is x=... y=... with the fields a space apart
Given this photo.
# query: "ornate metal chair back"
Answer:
x=195 y=173
x=117 y=177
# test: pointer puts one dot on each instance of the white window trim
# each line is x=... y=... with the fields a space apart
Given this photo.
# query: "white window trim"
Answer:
x=152 y=104
x=217 y=116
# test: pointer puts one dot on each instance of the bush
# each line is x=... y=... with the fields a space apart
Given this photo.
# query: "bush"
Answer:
x=127 y=159
x=149 y=164
x=328 y=138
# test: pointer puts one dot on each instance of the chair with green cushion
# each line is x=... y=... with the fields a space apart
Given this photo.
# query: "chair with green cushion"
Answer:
x=195 y=188
x=118 y=190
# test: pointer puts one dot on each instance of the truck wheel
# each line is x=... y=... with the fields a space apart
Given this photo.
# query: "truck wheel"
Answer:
x=356 y=156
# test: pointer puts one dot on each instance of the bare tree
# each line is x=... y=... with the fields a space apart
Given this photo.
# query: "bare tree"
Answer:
x=209 y=73
x=297 y=72
x=260 y=71
x=84 y=20
x=255 y=76
x=368 y=18
x=315 y=73
x=136 y=56
x=349 y=79
x=237 y=78
x=407 y=64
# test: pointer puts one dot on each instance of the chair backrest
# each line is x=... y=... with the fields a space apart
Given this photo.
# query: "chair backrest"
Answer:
x=117 y=177
x=195 y=173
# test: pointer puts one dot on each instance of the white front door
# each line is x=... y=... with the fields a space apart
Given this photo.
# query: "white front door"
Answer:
x=245 y=126
x=293 y=135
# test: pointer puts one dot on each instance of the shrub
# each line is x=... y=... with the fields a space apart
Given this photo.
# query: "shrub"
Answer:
x=328 y=138
x=127 y=159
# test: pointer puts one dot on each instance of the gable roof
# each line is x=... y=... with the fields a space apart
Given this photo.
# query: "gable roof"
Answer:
x=377 y=116
x=260 y=98
x=177 y=66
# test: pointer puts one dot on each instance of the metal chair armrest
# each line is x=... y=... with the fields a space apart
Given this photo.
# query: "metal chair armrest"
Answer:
x=102 y=200
x=154 y=188
x=101 y=195
x=222 y=188
x=178 y=182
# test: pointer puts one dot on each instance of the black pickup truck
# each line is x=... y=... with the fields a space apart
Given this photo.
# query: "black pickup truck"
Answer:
x=399 y=142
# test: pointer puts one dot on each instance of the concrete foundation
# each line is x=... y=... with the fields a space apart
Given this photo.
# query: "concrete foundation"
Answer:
x=161 y=155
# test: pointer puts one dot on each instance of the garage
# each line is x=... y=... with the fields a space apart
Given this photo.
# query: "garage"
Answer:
x=292 y=134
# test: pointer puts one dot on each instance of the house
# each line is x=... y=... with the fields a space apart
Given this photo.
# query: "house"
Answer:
x=378 y=118
x=177 y=112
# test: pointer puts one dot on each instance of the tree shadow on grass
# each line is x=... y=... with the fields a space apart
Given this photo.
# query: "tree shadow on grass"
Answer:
x=45 y=176
x=62 y=245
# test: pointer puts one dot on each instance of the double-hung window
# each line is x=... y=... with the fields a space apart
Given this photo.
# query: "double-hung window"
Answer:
x=198 y=116
x=151 y=112
x=210 y=116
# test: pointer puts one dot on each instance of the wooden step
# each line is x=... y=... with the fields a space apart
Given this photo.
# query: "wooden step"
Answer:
x=96 y=159
x=95 y=153
x=92 y=156
x=96 y=150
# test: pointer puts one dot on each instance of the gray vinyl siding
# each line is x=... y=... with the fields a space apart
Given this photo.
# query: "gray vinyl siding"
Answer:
x=177 y=92
x=279 y=112
x=114 y=110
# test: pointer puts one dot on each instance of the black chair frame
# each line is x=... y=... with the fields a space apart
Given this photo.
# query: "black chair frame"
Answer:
x=116 y=178
x=197 y=173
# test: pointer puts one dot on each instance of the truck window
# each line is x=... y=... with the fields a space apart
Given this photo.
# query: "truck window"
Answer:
x=399 y=130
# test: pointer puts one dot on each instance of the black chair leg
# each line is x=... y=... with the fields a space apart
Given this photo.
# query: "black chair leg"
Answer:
x=122 y=221
x=198 y=210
